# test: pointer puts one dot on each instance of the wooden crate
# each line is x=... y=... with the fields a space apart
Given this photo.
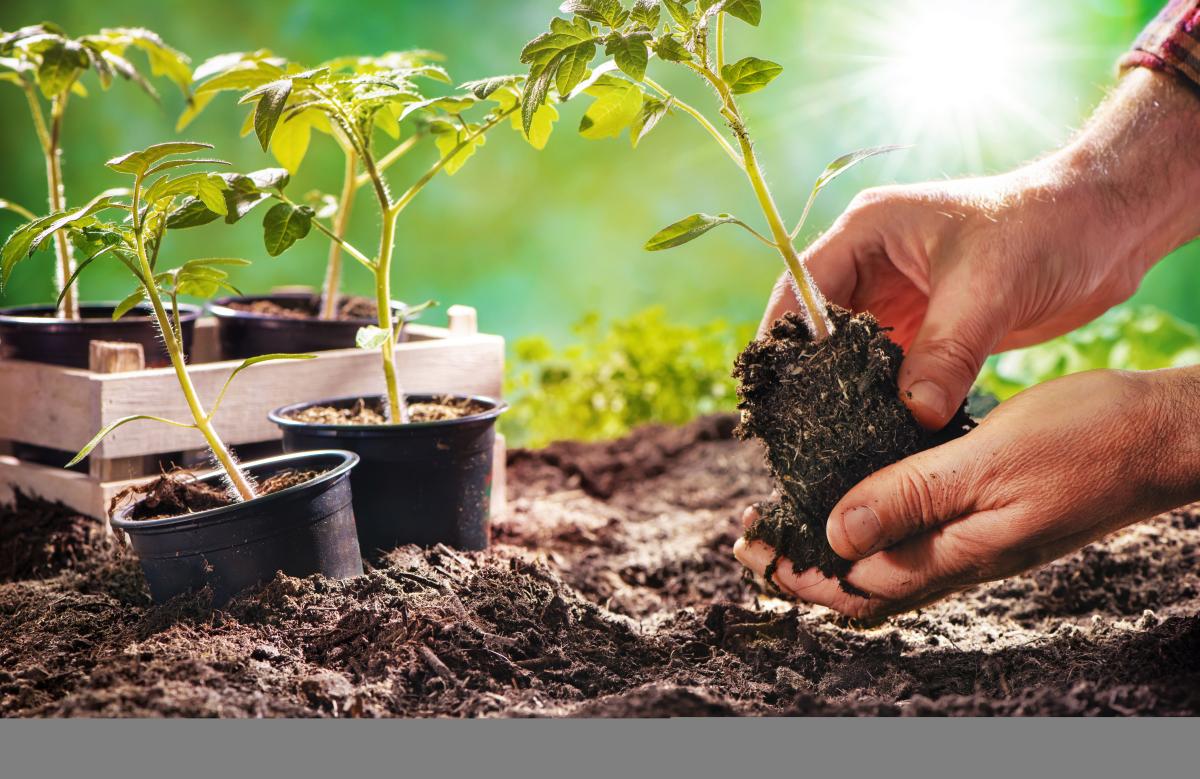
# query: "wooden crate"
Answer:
x=62 y=408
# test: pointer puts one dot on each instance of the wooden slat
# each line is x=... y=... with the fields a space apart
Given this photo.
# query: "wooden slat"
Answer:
x=47 y=405
x=77 y=490
x=467 y=364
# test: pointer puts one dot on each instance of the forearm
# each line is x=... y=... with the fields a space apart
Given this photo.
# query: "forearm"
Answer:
x=1138 y=163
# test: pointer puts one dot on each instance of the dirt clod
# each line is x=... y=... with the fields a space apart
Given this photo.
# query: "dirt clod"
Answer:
x=830 y=414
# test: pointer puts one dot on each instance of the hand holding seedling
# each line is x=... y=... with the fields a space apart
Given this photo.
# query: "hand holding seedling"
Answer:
x=962 y=269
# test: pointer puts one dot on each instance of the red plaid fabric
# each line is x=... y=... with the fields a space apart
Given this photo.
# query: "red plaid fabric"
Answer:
x=1171 y=42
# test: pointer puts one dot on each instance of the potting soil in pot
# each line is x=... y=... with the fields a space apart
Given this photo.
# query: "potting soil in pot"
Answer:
x=349 y=308
x=177 y=493
x=830 y=414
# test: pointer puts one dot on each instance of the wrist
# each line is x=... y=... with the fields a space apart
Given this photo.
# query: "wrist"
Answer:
x=1137 y=167
x=1172 y=408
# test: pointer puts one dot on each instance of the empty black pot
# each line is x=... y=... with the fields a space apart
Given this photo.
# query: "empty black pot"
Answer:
x=422 y=483
x=301 y=530
x=35 y=333
x=247 y=334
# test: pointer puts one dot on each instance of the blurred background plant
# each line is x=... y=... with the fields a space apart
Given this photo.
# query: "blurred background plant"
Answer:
x=535 y=240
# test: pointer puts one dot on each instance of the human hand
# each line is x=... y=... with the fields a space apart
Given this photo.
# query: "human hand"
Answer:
x=961 y=269
x=1050 y=470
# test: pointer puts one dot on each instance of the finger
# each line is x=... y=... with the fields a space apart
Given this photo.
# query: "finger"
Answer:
x=960 y=330
x=749 y=517
x=910 y=497
x=782 y=300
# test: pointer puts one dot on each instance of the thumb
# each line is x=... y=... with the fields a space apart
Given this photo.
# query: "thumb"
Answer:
x=907 y=498
x=959 y=332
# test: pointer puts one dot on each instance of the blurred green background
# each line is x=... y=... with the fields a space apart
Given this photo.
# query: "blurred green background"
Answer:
x=536 y=240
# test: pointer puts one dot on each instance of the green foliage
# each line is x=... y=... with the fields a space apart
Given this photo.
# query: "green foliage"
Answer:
x=1127 y=338
x=637 y=370
x=750 y=74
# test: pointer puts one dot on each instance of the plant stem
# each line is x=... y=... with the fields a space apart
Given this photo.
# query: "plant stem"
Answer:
x=720 y=41
x=333 y=270
x=64 y=266
x=397 y=410
x=811 y=301
x=700 y=118
x=239 y=480
x=388 y=159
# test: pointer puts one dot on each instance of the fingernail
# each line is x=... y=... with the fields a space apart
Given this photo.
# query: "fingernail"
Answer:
x=930 y=397
x=862 y=530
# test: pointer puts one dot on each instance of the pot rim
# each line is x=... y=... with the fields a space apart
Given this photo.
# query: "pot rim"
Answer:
x=211 y=517
x=220 y=308
x=18 y=314
x=498 y=407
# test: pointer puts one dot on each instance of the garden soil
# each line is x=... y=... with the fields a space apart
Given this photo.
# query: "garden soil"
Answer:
x=610 y=590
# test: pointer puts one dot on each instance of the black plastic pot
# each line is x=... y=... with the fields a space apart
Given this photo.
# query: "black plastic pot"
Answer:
x=34 y=333
x=301 y=530
x=247 y=334
x=422 y=483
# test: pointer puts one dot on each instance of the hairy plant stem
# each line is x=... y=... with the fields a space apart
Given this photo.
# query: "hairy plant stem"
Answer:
x=170 y=335
x=51 y=137
x=811 y=301
x=390 y=211
x=331 y=289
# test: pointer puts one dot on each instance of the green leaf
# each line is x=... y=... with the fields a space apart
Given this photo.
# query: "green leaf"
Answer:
x=687 y=229
x=618 y=103
x=371 y=337
x=138 y=162
x=646 y=13
x=69 y=219
x=669 y=49
x=246 y=364
x=679 y=12
x=607 y=12
x=749 y=11
x=129 y=303
x=164 y=60
x=90 y=445
x=653 y=110
x=289 y=144
x=541 y=127
x=847 y=161
x=283 y=225
x=171 y=164
x=271 y=98
x=560 y=56
x=62 y=62
x=484 y=87
x=750 y=74
x=630 y=52
x=449 y=144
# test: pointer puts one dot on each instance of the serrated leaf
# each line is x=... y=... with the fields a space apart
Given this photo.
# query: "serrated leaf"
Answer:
x=138 y=162
x=541 y=127
x=283 y=225
x=171 y=164
x=618 y=103
x=272 y=98
x=484 y=87
x=750 y=74
x=687 y=229
x=669 y=49
x=289 y=143
x=646 y=13
x=679 y=12
x=455 y=157
x=607 y=12
x=630 y=52
x=61 y=64
x=560 y=56
x=749 y=11
x=371 y=337
x=653 y=110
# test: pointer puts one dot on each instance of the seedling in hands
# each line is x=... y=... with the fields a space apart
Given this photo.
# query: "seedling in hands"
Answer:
x=132 y=229
x=690 y=34
x=42 y=60
x=357 y=100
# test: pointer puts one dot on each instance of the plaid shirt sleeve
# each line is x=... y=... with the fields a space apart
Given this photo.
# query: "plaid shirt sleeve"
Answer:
x=1171 y=42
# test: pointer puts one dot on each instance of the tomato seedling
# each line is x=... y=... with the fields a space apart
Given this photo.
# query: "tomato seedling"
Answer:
x=690 y=34
x=357 y=100
x=131 y=228
x=47 y=65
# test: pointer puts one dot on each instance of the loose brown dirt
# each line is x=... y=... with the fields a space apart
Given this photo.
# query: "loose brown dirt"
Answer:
x=365 y=412
x=610 y=590
x=349 y=308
